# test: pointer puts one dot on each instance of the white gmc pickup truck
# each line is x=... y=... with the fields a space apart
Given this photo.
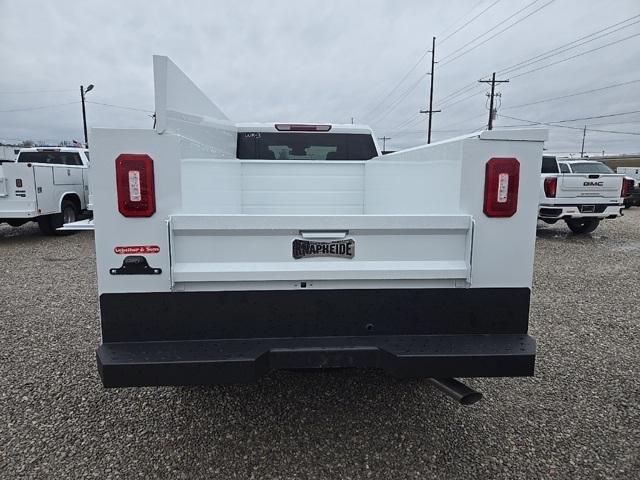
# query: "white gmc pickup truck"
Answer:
x=45 y=185
x=225 y=251
x=580 y=192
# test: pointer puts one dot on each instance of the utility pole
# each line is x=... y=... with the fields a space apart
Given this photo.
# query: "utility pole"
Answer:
x=431 y=111
x=493 y=82
x=84 y=114
x=384 y=143
x=584 y=134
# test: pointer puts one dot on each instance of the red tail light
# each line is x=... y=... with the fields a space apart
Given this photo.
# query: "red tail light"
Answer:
x=627 y=183
x=550 y=187
x=502 y=177
x=18 y=182
x=134 y=180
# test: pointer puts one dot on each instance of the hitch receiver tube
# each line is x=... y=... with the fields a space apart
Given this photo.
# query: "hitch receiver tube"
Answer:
x=456 y=390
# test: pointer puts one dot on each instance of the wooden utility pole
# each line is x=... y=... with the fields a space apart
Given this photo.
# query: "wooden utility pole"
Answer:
x=584 y=134
x=493 y=82
x=431 y=111
x=384 y=142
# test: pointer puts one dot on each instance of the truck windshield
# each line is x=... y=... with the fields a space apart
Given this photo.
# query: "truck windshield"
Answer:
x=51 y=158
x=305 y=146
x=590 y=167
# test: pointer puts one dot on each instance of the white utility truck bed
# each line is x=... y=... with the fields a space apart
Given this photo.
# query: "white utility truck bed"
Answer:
x=46 y=185
x=225 y=250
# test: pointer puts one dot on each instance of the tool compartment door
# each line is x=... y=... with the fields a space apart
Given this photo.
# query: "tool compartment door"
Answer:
x=260 y=248
x=67 y=175
x=45 y=191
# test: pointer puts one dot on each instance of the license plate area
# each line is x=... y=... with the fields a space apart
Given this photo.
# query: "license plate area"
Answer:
x=588 y=208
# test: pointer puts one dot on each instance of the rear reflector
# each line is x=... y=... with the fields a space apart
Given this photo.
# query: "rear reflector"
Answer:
x=134 y=181
x=627 y=183
x=298 y=127
x=501 y=181
x=550 y=187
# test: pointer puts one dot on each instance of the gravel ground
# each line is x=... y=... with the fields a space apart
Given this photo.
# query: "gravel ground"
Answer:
x=577 y=418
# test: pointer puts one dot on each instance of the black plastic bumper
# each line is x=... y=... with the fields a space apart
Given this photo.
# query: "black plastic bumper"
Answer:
x=244 y=361
x=196 y=338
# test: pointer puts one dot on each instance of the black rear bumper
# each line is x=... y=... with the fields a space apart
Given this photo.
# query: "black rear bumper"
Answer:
x=245 y=361
x=200 y=338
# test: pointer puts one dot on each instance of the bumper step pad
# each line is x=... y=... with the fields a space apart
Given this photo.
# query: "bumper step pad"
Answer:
x=211 y=362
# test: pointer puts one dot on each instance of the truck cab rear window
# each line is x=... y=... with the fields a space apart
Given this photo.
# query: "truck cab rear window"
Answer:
x=590 y=167
x=50 y=158
x=305 y=146
x=549 y=165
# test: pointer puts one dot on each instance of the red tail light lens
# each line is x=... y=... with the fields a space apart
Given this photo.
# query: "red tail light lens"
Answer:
x=626 y=187
x=501 y=181
x=134 y=180
x=550 y=187
x=18 y=182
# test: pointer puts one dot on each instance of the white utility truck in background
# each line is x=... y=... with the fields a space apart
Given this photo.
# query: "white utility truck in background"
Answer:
x=225 y=251
x=580 y=192
x=46 y=185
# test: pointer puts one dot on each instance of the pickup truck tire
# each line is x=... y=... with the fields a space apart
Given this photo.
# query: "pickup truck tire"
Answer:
x=49 y=223
x=582 y=225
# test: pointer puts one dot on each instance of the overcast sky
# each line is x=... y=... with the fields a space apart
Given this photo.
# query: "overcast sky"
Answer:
x=324 y=61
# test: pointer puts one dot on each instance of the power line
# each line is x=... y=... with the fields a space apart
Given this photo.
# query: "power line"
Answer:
x=499 y=32
x=380 y=116
x=407 y=121
x=37 y=108
x=545 y=55
x=575 y=56
x=20 y=92
x=120 y=106
x=572 y=94
x=596 y=116
x=555 y=51
x=471 y=95
x=386 y=97
x=489 y=30
x=395 y=88
x=474 y=18
x=550 y=124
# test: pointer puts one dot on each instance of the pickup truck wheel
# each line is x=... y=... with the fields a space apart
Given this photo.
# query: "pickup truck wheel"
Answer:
x=582 y=225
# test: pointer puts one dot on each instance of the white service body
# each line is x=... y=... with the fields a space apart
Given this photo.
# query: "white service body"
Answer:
x=223 y=224
x=36 y=190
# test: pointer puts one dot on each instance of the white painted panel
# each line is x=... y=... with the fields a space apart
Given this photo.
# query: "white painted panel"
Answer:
x=300 y=187
x=420 y=180
x=211 y=186
x=184 y=110
x=249 y=248
x=266 y=271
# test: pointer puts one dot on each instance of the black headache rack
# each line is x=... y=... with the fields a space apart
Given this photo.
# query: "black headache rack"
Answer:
x=200 y=338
